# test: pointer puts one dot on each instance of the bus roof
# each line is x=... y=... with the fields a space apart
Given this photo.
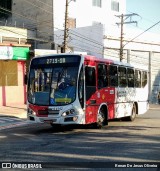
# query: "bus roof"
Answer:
x=96 y=59
x=110 y=61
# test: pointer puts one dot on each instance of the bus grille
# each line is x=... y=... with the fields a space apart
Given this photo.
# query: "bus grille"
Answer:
x=53 y=112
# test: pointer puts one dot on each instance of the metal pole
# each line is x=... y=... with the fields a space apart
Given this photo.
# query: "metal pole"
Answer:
x=121 y=40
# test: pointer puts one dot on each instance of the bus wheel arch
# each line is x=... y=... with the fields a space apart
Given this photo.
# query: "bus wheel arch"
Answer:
x=136 y=104
x=102 y=116
x=134 y=112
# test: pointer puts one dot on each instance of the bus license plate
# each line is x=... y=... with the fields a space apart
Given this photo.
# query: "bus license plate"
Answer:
x=50 y=121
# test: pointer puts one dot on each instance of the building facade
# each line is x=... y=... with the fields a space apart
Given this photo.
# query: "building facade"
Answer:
x=143 y=51
x=45 y=17
x=91 y=28
x=14 y=52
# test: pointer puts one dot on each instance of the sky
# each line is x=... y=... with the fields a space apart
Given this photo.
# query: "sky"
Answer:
x=148 y=11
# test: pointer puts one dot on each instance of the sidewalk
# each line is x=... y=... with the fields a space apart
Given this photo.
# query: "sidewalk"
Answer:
x=19 y=111
x=154 y=106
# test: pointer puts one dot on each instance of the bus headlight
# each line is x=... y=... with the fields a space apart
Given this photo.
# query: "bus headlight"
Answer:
x=31 y=112
x=69 y=112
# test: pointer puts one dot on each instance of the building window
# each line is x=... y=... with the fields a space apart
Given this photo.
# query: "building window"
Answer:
x=114 y=5
x=97 y=3
x=5 y=7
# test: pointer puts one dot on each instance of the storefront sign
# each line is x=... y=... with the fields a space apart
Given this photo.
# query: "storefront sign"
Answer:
x=6 y=52
x=13 y=53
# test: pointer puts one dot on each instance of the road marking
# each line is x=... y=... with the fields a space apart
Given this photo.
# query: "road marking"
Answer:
x=2 y=121
x=10 y=122
x=14 y=125
x=7 y=119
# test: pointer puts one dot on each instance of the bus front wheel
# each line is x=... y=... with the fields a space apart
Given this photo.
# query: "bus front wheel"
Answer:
x=101 y=119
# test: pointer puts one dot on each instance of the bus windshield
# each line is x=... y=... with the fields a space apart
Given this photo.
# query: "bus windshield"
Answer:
x=52 y=84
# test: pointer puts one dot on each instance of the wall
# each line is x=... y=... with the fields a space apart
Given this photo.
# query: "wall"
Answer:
x=37 y=16
x=148 y=59
x=85 y=39
x=86 y=14
x=45 y=16
x=13 y=95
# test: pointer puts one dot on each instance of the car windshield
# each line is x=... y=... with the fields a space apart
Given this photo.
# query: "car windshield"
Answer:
x=52 y=85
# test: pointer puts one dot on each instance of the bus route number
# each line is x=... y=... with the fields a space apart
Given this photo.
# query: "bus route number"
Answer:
x=56 y=60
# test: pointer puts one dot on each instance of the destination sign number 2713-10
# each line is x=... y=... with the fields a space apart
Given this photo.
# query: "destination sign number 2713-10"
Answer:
x=56 y=60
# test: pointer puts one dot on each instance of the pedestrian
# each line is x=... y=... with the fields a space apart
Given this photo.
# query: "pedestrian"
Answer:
x=158 y=97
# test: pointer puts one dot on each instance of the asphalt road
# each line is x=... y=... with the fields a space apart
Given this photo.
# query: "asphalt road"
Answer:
x=121 y=141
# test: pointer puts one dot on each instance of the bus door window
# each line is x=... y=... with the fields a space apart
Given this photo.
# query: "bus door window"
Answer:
x=130 y=77
x=90 y=81
x=102 y=76
x=137 y=78
x=113 y=76
x=122 y=77
x=81 y=88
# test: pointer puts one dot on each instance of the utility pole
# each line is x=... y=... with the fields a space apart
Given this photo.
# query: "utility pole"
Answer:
x=53 y=43
x=65 y=28
x=121 y=39
x=124 y=17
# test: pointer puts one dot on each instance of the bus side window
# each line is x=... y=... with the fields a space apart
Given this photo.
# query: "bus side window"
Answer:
x=102 y=76
x=137 y=78
x=90 y=76
x=113 y=76
x=130 y=77
x=122 y=77
x=144 y=78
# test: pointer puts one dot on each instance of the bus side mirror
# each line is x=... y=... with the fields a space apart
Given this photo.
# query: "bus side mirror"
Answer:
x=25 y=79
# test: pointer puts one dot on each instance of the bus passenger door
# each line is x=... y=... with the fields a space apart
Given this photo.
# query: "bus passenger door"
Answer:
x=90 y=87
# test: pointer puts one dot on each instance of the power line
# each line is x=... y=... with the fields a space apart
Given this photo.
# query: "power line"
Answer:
x=82 y=36
x=44 y=3
x=75 y=35
x=142 y=33
x=38 y=39
x=123 y=18
x=85 y=38
x=38 y=7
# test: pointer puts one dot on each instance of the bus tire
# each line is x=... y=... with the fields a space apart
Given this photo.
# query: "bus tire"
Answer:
x=102 y=119
x=133 y=114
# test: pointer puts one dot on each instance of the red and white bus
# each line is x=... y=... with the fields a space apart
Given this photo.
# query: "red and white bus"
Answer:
x=81 y=89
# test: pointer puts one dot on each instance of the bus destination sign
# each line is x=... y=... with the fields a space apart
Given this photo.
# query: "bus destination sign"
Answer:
x=55 y=60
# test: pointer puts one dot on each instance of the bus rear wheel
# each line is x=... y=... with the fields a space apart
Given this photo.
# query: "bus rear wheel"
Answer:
x=133 y=114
